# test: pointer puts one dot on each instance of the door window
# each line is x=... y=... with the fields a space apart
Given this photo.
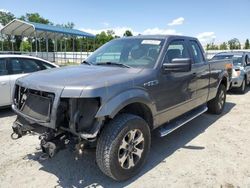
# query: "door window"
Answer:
x=30 y=65
x=176 y=49
x=15 y=66
x=197 y=53
x=44 y=65
x=3 y=69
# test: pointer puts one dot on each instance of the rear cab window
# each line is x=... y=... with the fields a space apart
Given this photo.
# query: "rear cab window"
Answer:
x=198 y=56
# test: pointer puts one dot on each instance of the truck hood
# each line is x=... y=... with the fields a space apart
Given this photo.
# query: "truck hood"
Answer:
x=77 y=78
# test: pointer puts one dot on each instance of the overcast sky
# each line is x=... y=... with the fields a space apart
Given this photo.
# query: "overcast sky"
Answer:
x=210 y=21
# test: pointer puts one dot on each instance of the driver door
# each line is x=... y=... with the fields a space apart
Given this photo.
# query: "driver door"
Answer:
x=176 y=89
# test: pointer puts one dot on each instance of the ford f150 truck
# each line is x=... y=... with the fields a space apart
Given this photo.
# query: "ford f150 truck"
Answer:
x=118 y=96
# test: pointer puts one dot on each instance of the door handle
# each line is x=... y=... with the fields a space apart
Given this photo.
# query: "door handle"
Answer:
x=3 y=83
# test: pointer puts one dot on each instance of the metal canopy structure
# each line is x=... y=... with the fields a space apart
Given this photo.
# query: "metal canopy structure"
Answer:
x=37 y=31
x=31 y=29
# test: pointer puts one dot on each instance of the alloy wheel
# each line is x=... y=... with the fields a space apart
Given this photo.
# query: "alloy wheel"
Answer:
x=131 y=149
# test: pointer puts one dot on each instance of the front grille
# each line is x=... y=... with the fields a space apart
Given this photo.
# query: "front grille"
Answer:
x=36 y=104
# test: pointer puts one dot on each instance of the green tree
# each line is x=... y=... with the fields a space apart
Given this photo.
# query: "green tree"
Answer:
x=6 y=17
x=104 y=37
x=212 y=46
x=234 y=44
x=110 y=33
x=127 y=33
x=35 y=17
x=69 y=25
x=25 y=46
x=247 y=45
x=223 y=46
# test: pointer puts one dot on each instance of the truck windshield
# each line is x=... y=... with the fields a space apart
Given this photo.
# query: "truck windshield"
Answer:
x=130 y=52
x=237 y=59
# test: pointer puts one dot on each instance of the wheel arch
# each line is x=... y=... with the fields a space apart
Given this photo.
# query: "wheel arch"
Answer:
x=136 y=102
x=224 y=81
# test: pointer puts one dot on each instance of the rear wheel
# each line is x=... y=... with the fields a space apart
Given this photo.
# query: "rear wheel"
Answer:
x=123 y=146
x=216 y=105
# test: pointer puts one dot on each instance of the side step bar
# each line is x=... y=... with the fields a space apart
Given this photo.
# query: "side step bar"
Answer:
x=182 y=120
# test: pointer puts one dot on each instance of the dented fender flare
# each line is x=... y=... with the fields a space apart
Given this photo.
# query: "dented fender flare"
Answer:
x=117 y=103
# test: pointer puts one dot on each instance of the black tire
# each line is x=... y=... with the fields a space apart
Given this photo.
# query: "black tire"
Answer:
x=242 y=88
x=110 y=143
x=216 y=105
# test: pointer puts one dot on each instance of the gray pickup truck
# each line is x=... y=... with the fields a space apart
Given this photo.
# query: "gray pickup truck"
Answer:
x=118 y=96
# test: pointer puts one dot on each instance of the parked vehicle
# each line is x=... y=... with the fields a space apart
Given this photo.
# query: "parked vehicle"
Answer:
x=123 y=91
x=241 y=68
x=16 y=66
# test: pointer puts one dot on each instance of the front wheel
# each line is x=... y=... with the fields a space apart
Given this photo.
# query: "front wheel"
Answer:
x=123 y=146
x=242 y=88
x=216 y=105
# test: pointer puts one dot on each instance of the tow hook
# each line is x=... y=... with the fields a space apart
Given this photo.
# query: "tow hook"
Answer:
x=51 y=144
x=79 y=150
x=20 y=130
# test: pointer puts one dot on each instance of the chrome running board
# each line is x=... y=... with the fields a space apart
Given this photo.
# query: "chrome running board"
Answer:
x=180 y=121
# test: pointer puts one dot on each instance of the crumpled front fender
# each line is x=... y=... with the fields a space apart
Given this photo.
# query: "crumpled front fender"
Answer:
x=115 y=104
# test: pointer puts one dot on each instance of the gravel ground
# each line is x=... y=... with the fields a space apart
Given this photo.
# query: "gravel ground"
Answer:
x=210 y=151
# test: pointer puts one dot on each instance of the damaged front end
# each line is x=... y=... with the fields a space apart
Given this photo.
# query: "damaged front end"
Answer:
x=59 y=120
x=77 y=115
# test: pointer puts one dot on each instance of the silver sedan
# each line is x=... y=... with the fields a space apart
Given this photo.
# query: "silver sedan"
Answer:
x=13 y=67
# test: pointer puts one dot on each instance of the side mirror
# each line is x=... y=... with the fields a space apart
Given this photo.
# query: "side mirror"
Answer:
x=178 y=65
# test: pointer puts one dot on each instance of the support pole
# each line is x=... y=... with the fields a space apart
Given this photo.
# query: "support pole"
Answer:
x=12 y=44
x=47 y=46
x=87 y=48
x=40 y=45
x=61 y=51
x=36 y=42
x=73 y=48
x=55 y=49
x=21 y=44
x=2 y=39
x=81 y=47
x=31 y=46
x=65 y=46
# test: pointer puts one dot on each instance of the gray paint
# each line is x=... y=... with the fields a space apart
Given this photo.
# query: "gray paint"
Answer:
x=167 y=95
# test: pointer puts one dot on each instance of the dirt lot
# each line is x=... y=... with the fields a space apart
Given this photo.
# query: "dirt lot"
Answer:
x=210 y=151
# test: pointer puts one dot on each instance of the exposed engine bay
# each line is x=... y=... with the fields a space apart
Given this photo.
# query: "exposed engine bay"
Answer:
x=75 y=119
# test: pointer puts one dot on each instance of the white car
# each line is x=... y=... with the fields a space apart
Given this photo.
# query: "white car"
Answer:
x=13 y=67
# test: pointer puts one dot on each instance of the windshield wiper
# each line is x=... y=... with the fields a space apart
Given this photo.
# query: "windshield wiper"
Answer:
x=113 y=63
x=86 y=62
